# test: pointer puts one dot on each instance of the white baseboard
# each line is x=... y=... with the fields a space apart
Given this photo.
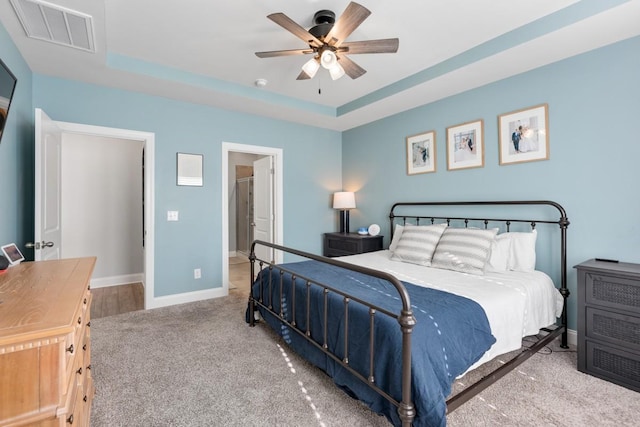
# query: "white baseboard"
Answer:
x=103 y=282
x=194 y=296
x=232 y=254
x=572 y=337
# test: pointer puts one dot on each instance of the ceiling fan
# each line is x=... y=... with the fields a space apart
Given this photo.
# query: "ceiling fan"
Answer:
x=326 y=40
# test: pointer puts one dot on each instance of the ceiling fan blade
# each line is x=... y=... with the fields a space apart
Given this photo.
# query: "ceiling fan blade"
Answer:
x=274 y=53
x=352 y=16
x=290 y=25
x=370 y=46
x=352 y=69
x=303 y=76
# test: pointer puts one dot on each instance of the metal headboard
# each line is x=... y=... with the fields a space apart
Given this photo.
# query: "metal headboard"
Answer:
x=563 y=222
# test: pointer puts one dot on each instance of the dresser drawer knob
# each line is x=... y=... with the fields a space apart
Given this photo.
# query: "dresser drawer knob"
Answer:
x=70 y=419
x=79 y=320
x=84 y=347
x=89 y=323
x=79 y=371
x=85 y=301
x=84 y=399
x=89 y=367
x=70 y=349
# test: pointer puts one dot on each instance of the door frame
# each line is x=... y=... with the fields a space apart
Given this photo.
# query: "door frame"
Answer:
x=148 y=141
x=278 y=233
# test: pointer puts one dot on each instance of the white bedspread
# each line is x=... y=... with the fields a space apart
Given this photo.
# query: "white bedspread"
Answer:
x=517 y=304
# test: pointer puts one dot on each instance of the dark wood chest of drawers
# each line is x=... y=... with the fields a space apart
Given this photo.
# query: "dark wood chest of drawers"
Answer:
x=609 y=321
x=342 y=244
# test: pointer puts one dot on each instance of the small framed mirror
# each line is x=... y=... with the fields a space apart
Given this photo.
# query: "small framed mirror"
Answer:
x=190 y=169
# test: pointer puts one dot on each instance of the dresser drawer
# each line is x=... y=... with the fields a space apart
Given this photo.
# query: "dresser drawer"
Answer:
x=616 y=292
x=613 y=364
x=342 y=244
x=619 y=329
x=349 y=246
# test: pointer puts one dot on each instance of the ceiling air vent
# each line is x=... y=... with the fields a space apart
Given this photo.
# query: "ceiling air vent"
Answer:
x=55 y=24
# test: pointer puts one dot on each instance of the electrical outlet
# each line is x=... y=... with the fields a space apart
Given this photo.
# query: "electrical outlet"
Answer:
x=197 y=273
x=172 y=215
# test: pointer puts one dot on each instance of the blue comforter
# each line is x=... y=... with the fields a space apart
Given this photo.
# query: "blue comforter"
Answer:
x=451 y=334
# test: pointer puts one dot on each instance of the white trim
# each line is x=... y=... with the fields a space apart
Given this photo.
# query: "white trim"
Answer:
x=278 y=235
x=148 y=140
x=572 y=337
x=186 y=297
x=125 y=279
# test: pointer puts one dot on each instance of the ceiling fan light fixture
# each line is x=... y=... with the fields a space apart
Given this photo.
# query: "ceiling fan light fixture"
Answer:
x=328 y=59
x=311 y=67
x=336 y=71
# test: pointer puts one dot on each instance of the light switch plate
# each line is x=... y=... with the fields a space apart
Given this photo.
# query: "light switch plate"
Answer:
x=172 y=215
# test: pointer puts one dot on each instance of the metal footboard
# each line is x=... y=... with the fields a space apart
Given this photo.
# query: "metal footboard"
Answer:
x=406 y=321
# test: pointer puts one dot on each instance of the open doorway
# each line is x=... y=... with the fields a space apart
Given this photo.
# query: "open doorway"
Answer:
x=85 y=148
x=252 y=197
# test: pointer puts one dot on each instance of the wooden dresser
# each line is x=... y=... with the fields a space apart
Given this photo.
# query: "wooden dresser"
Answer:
x=45 y=345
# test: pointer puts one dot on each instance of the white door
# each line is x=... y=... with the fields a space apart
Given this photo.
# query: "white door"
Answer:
x=263 y=215
x=48 y=230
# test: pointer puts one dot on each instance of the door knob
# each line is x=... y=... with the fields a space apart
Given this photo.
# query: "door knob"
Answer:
x=39 y=245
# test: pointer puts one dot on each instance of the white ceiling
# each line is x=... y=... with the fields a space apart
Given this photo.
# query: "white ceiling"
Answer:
x=203 y=51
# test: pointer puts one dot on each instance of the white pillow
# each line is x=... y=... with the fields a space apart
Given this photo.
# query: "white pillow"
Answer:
x=417 y=243
x=500 y=253
x=464 y=249
x=397 y=232
x=522 y=254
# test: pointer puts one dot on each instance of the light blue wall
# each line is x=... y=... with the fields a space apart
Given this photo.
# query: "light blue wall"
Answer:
x=594 y=106
x=312 y=171
x=16 y=153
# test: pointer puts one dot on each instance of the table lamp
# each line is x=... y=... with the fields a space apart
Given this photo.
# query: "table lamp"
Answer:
x=344 y=200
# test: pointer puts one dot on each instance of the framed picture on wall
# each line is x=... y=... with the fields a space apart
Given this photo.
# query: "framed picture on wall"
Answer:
x=465 y=145
x=189 y=169
x=524 y=135
x=421 y=153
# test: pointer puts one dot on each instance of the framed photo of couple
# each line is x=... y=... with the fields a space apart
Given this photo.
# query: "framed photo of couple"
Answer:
x=465 y=145
x=524 y=135
x=421 y=153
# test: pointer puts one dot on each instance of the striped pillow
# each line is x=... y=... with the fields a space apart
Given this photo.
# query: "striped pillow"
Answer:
x=464 y=249
x=417 y=243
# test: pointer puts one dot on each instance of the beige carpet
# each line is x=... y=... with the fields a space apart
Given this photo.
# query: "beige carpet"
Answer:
x=199 y=364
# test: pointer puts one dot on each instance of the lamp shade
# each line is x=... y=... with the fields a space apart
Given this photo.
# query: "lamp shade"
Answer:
x=311 y=67
x=336 y=71
x=344 y=200
x=328 y=59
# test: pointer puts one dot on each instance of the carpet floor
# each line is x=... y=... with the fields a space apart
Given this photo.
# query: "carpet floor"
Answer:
x=199 y=364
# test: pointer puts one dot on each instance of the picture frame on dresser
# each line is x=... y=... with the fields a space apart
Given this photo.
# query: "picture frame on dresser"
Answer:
x=421 y=153
x=465 y=145
x=13 y=254
x=524 y=135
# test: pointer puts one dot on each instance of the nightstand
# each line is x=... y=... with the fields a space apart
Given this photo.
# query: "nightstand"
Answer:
x=609 y=321
x=341 y=244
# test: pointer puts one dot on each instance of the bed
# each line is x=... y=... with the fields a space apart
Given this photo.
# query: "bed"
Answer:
x=456 y=288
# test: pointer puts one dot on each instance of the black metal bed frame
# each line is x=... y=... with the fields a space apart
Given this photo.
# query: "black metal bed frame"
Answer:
x=405 y=318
